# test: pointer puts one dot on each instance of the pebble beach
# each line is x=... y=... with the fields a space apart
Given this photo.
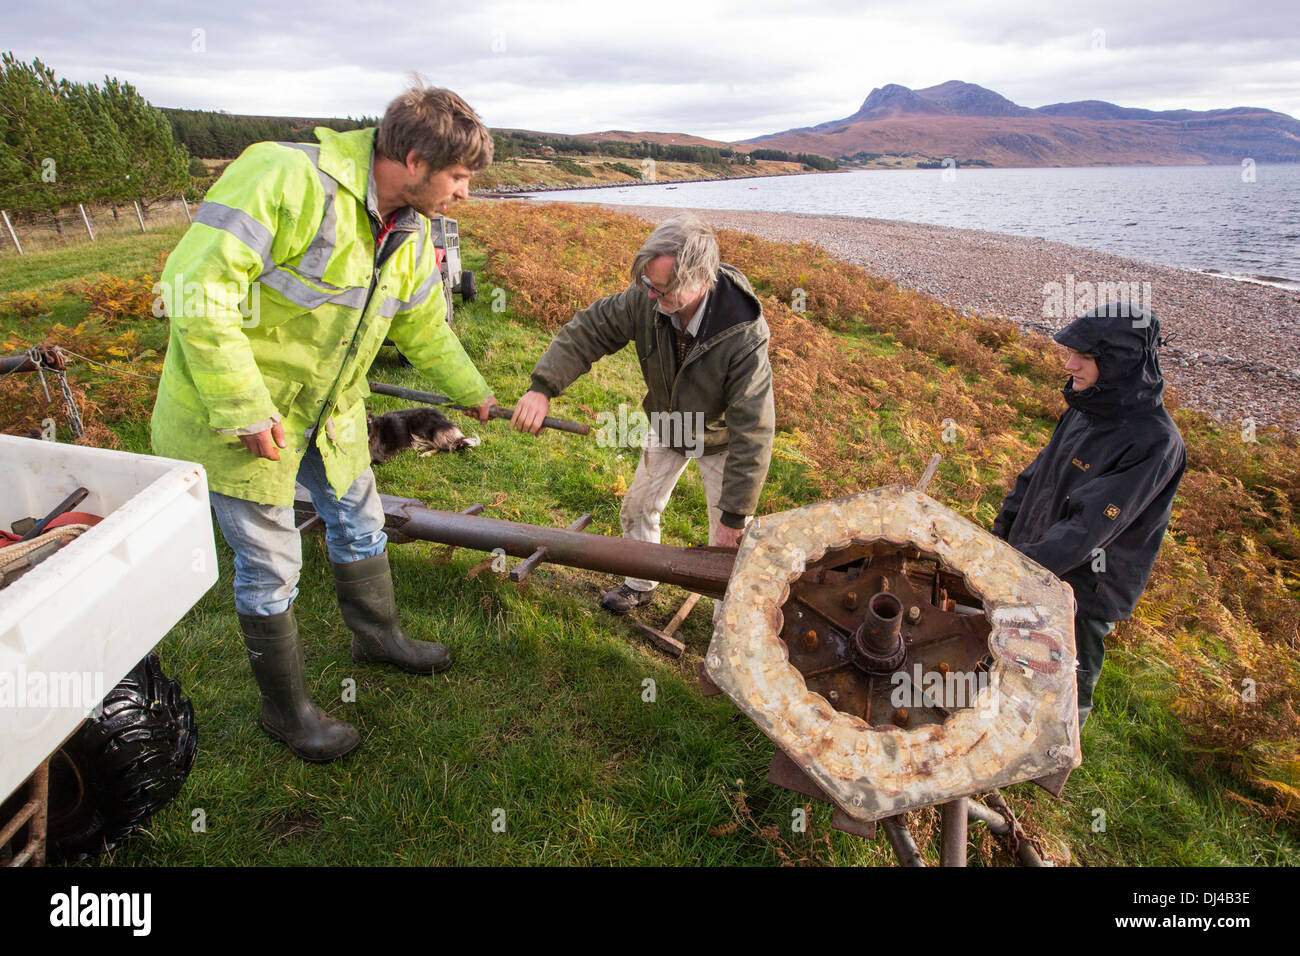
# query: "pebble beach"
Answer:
x=1233 y=347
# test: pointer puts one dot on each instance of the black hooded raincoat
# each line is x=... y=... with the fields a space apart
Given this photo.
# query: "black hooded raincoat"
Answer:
x=1093 y=506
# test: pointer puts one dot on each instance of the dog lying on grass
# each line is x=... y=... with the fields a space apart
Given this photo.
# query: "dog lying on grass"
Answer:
x=426 y=429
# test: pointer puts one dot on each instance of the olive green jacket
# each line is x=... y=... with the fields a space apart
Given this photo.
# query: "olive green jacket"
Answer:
x=277 y=307
x=725 y=377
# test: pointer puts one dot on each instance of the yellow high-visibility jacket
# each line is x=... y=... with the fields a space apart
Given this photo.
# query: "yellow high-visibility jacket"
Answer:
x=277 y=306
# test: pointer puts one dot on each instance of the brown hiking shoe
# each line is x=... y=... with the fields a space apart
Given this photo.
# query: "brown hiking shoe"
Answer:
x=623 y=599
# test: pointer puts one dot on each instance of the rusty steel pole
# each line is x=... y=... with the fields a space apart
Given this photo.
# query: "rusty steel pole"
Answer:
x=704 y=570
x=953 y=851
x=17 y=363
x=43 y=356
x=900 y=838
x=996 y=823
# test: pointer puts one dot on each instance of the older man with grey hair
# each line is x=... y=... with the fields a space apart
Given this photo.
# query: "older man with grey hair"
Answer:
x=701 y=339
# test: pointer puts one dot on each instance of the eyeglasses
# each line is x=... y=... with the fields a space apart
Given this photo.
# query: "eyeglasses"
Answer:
x=645 y=281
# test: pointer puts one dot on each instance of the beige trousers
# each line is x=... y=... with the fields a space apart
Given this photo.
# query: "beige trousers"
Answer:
x=656 y=477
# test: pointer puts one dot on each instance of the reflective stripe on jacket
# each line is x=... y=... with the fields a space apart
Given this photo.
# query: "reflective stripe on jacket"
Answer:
x=277 y=306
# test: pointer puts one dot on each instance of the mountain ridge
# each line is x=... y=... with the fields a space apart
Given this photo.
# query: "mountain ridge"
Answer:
x=971 y=122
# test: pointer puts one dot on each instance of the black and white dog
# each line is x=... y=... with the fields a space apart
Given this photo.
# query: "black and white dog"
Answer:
x=426 y=429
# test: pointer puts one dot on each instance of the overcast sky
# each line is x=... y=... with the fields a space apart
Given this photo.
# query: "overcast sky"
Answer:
x=727 y=70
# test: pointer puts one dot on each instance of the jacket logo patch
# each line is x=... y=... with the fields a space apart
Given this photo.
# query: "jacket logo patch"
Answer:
x=1082 y=466
x=1112 y=512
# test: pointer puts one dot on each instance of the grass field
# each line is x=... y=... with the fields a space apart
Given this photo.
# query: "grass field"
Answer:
x=40 y=235
x=543 y=745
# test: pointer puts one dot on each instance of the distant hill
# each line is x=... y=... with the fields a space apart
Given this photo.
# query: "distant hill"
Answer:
x=969 y=122
x=663 y=139
x=966 y=121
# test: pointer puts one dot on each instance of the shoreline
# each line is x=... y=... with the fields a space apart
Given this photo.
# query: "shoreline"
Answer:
x=1233 y=347
x=523 y=192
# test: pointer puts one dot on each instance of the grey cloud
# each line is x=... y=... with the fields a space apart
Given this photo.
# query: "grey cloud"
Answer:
x=748 y=67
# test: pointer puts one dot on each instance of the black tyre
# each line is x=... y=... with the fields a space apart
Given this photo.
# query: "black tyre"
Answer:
x=468 y=286
x=122 y=765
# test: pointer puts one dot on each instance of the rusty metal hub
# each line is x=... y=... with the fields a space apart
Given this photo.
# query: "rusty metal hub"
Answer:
x=878 y=640
x=900 y=655
x=892 y=651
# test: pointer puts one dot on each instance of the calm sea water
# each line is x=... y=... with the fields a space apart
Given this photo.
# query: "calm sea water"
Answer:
x=1241 y=222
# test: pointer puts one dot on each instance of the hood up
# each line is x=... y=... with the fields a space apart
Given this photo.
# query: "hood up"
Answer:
x=1123 y=340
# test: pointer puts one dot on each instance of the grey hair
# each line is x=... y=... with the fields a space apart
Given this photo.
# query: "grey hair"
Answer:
x=691 y=242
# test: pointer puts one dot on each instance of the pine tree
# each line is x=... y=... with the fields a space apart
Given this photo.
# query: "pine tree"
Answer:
x=46 y=155
x=103 y=173
x=158 y=167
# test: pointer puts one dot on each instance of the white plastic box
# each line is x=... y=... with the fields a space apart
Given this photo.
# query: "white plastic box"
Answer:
x=76 y=623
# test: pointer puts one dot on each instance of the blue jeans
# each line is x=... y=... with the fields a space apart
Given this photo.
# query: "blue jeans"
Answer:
x=268 y=548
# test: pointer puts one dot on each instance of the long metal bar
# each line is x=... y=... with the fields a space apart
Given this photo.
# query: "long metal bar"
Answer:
x=1028 y=856
x=996 y=823
x=930 y=469
x=953 y=850
x=43 y=356
x=901 y=840
x=705 y=570
x=496 y=411
x=17 y=363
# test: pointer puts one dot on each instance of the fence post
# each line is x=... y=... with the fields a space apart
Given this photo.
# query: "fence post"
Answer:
x=86 y=220
x=186 y=207
x=12 y=235
x=139 y=215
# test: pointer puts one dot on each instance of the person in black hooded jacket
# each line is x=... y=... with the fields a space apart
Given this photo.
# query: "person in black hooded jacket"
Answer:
x=1093 y=507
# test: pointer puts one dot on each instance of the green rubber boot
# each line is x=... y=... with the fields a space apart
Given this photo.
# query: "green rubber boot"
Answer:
x=289 y=715
x=369 y=607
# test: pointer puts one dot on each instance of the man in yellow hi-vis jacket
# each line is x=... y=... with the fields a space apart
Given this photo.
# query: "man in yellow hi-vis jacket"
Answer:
x=300 y=261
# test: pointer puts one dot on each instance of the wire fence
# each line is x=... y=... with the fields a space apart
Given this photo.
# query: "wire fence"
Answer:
x=24 y=233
